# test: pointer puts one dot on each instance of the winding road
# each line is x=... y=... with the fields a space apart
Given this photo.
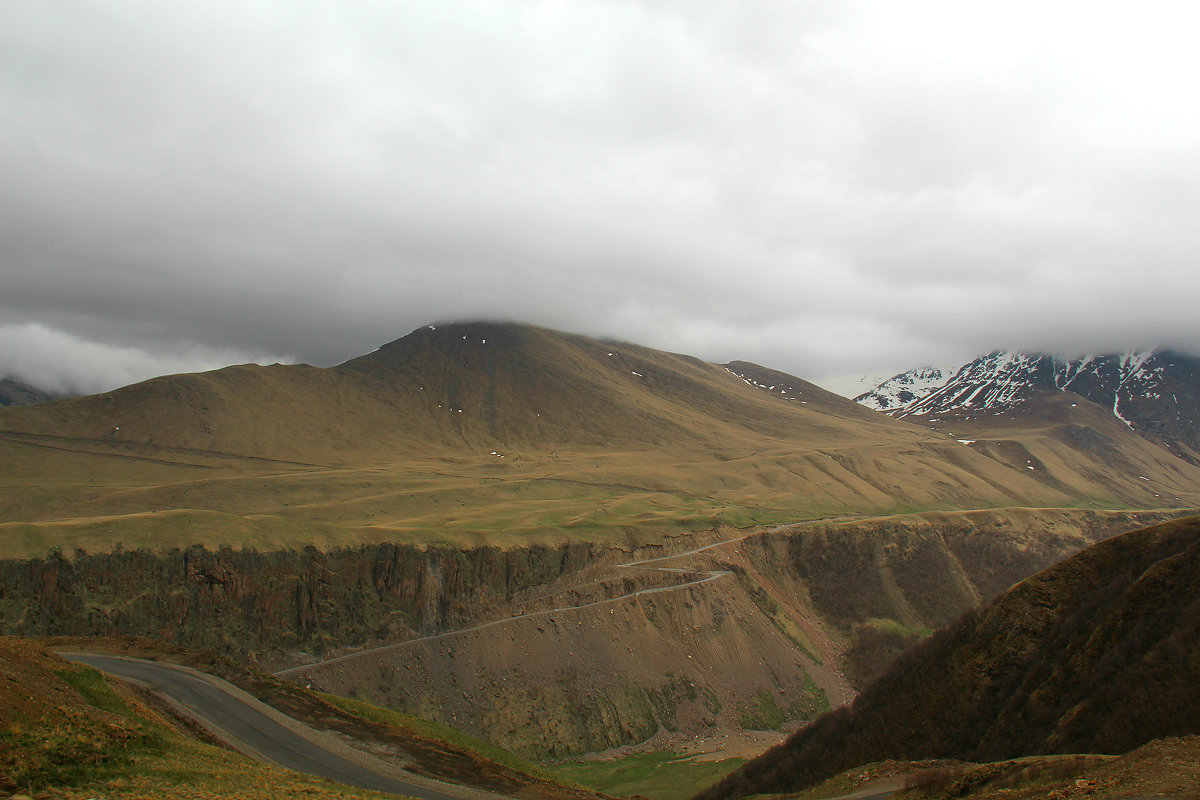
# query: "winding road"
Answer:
x=265 y=734
x=709 y=575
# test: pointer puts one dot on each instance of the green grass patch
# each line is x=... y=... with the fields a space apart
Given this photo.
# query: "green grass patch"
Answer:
x=72 y=746
x=95 y=690
x=764 y=715
x=661 y=775
x=895 y=626
x=425 y=729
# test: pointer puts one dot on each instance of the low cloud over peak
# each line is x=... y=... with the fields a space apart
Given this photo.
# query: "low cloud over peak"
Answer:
x=827 y=190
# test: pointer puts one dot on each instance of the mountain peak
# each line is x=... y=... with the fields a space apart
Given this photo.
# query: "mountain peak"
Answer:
x=1153 y=392
x=15 y=392
x=899 y=391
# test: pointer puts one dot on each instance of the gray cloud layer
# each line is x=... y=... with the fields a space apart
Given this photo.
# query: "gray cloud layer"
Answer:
x=827 y=188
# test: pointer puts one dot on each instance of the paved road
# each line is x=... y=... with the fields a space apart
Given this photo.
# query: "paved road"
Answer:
x=257 y=729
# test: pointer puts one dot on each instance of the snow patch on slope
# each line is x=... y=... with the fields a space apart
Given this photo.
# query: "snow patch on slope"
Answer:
x=898 y=391
x=1002 y=380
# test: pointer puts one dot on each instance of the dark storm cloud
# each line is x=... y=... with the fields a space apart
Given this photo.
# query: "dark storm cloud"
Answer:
x=826 y=188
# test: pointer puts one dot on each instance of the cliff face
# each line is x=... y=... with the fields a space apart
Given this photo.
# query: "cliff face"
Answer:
x=243 y=602
x=884 y=584
x=578 y=647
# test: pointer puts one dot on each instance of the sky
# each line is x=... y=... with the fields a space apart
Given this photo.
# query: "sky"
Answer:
x=831 y=189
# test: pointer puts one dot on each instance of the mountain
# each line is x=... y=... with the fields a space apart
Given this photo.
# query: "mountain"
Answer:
x=561 y=544
x=510 y=432
x=899 y=391
x=456 y=388
x=1155 y=394
x=1098 y=654
x=14 y=392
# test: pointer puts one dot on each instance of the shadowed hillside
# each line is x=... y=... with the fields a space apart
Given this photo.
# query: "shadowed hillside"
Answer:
x=18 y=393
x=1099 y=654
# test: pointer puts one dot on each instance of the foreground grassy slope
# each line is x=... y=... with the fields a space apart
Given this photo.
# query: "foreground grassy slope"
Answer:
x=501 y=433
x=1100 y=653
x=70 y=728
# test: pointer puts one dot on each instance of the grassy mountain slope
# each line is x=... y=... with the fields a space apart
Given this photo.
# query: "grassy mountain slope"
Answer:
x=446 y=390
x=1099 y=653
x=496 y=432
x=1072 y=445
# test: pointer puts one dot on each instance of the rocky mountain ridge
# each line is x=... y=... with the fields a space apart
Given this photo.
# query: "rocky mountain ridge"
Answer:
x=1154 y=393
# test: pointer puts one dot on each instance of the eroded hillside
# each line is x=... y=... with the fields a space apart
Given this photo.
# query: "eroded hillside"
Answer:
x=1097 y=654
x=571 y=648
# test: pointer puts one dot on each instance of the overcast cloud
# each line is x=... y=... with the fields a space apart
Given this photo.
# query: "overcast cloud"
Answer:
x=827 y=188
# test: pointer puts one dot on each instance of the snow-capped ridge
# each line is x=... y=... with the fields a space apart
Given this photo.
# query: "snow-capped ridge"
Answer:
x=899 y=390
x=1142 y=388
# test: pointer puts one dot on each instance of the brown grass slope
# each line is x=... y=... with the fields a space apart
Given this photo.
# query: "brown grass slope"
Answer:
x=442 y=389
x=1100 y=653
x=1072 y=445
x=504 y=433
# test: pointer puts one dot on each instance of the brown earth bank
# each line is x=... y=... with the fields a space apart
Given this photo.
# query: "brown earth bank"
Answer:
x=1098 y=654
x=1163 y=768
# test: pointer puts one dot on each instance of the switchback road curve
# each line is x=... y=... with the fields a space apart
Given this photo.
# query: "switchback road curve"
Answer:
x=263 y=733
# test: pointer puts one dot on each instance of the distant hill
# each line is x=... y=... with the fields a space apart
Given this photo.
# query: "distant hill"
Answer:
x=510 y=430
x=14 y=392
x=1156 y=394
x=1098 y=654
x=457 y=388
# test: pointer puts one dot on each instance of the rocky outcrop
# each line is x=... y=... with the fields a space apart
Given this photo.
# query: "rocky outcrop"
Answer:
x=244 y=602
